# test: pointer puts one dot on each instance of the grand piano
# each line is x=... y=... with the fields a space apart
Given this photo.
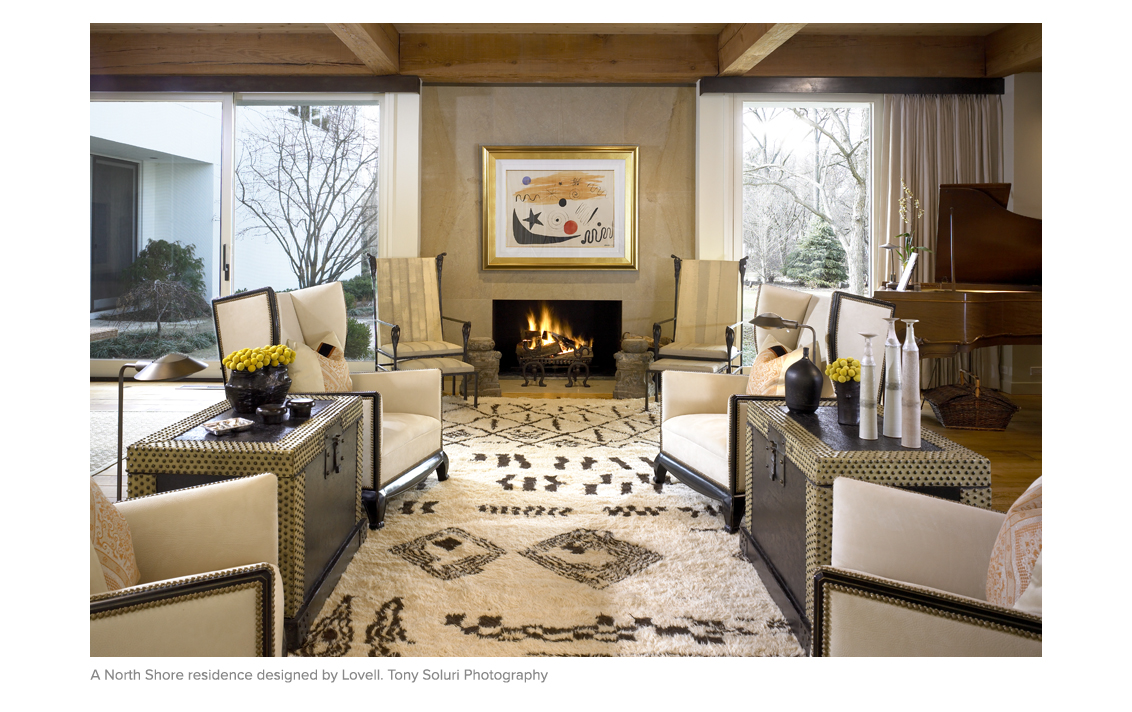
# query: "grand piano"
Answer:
x=988 y=276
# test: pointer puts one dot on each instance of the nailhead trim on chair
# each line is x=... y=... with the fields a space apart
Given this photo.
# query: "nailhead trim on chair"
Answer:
x=160 y=452
x=259 y=602
x=829 y=587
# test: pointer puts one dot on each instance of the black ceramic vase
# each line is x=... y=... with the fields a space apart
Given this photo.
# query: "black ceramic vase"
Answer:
x=803 y=385
x=248 y=391
x=848 y=402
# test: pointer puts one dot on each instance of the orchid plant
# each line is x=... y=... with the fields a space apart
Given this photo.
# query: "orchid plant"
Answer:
x=906 y=246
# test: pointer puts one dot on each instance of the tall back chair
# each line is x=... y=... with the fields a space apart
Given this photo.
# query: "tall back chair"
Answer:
x=708 y=311
x=246 y=320
x=849 y=317
x=307 y=314
x=408 y=319
x=707 y=314
x=401 y=425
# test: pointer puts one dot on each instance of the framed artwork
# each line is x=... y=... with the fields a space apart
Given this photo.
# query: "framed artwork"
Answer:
x=560 y=207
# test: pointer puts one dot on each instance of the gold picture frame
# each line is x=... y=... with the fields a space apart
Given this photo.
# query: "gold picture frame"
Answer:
x=581 y=205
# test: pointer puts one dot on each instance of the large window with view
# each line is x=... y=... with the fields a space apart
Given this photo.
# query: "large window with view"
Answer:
x=807 y=194
x=306 y=203
x=177 y=219
x=155 y=196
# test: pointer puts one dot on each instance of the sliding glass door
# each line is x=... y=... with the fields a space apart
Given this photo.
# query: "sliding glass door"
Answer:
x=156 y=180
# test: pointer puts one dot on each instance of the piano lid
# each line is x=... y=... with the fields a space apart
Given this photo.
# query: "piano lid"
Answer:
x=990 y=244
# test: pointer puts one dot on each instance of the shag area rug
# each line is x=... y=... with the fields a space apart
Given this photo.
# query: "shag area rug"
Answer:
x=550 y=539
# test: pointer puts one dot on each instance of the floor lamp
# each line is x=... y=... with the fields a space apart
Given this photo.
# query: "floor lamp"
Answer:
x=171 y=367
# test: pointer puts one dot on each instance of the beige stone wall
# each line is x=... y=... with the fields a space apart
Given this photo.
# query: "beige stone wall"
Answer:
x=457 y=121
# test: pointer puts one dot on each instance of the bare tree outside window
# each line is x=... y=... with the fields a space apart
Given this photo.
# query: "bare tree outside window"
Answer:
x=308 y=179
x=805 y=176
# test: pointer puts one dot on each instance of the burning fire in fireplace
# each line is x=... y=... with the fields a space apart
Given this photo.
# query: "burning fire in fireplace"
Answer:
x=547 y=342
x=545 y=332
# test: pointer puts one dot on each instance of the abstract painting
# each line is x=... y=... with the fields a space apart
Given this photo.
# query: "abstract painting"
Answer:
x=567 y=207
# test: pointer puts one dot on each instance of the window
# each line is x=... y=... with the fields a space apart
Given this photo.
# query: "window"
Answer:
x=807 y=193
x=155 y=194
x=306 y=202
x=196 y=196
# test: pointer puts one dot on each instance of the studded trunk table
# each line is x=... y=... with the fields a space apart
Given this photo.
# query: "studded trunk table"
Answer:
x=792 y=461
x=317 y=461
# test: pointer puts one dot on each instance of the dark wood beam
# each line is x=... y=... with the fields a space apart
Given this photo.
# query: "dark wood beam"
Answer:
x=376 y=45
x=850 y=85
x=741 y=47
x=222 y=53
x=874 y=56
x=1014 y=49
x=551 y=59
x=308 y=83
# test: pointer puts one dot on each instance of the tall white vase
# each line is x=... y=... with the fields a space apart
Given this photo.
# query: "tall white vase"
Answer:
x=868 y=426
x=910 y=388
x=892 y=358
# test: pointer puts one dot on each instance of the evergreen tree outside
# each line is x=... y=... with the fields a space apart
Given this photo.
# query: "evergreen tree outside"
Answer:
x=818 y=260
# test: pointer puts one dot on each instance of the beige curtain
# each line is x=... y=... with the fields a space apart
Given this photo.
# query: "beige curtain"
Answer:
x=928 y=140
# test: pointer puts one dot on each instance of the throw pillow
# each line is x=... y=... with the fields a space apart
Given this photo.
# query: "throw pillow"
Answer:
x=765 y=370
x=768 y=372
x=1031 y=599
x=110 y=537
x=1017 y=548
x=305 y=370
x=335 y=370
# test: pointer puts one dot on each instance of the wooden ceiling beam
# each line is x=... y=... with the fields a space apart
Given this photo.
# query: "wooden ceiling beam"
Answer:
x=376 y=45
x=563 y=58
x=806 y=55
x=741 y=47
x=225 y=53
x=1014 y=49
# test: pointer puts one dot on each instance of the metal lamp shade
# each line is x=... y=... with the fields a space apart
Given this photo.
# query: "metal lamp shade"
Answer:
x=170 y=367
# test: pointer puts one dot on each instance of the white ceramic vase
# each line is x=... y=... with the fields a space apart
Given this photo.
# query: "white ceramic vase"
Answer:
x=910 y=388
x=892 y=358
x=868 y=426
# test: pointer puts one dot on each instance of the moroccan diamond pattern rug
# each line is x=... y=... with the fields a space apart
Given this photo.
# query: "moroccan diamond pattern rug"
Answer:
x=550 y=539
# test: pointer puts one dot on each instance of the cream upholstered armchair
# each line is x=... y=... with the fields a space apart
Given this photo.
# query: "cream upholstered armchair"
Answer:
x=908 y=577
x=703 y=415
x=401 y=411
x=702 y=437
x=409 y=319
x=810 y=309
x=209 y=578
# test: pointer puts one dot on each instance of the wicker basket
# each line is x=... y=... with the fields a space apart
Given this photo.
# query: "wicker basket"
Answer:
x=970 y=407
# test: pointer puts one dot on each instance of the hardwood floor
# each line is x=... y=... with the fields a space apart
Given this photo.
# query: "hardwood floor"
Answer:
x=1015 y=454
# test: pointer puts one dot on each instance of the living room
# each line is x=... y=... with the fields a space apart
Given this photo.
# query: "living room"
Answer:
x=675 y=114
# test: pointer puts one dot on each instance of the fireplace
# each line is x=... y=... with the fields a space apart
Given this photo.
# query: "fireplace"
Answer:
x=565 y=329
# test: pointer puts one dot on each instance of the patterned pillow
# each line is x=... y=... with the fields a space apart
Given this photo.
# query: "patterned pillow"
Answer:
x=1017 y=548
x=765 y=371
x=110 y=536
x=335 y=370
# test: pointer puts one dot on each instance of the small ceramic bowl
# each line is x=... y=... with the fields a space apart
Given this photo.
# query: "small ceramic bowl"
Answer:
x=300 y=407
x=272 y=413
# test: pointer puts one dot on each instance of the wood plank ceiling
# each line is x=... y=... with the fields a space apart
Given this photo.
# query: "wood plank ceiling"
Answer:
x=567 y=53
